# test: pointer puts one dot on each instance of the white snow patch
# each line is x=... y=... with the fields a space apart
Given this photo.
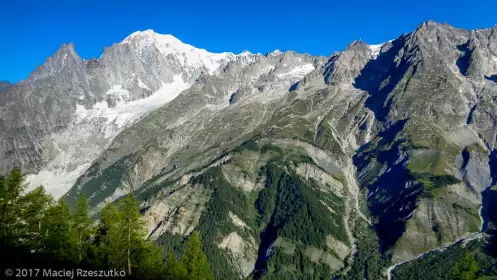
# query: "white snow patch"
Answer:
x=126 y=112
x=297 y=72
x=494 y=58
x=119 y=92
x=268 y=69
x=375 y=50
x=91 y=132
x=276 y=52
x=246 y=57
x=116 y=89
x=245 y=53
x=142 y=85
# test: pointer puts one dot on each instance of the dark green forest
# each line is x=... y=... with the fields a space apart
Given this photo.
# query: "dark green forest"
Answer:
x=38 y=232
x=476 y=260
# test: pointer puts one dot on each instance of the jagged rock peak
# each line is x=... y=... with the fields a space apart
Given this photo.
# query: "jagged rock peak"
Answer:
x=361 y=46
x=65 y=56
x=63 y=52
x=66 y=48
x=356 y=44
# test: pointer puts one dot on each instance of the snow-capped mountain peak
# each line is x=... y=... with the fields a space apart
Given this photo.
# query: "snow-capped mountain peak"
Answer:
x=130 y=80
x=187 y=55
x=245 y=53
x=166 y=43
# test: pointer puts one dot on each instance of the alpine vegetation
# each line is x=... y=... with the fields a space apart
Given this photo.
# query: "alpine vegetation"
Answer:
x=42 y=232
x=378 y=162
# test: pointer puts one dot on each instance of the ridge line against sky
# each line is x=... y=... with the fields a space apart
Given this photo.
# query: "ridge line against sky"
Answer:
x=33 y=30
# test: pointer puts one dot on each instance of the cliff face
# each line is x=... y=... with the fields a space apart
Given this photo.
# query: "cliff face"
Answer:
x=284 y=162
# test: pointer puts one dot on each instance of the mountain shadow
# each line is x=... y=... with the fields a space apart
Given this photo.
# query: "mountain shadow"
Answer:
x=464 y=60
x=379 y=70
x=392 y=196
x=492 y=78
x=490 y=247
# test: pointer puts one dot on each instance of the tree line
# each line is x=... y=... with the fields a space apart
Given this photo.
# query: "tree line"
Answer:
x=35 y=227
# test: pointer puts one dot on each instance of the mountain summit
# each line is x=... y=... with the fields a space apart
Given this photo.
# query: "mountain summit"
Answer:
x=288 y=165
x=187 y=55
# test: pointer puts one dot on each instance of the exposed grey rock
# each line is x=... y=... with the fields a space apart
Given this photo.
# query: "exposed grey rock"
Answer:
x=404 y=112
x=476 y=171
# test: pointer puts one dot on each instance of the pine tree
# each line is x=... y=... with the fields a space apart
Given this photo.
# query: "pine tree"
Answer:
x=195 y=260
x=82 y=229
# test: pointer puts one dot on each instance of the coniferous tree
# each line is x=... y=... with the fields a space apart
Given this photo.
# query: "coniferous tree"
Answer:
x=133 y=229
x=150 y=263
x=33 y=210
x=466 y=269
x=56 y=231
x=35 y=222
x=195 y=260
x=108 y=241
x=82 y=229
x=175 y=269
x=11 y=188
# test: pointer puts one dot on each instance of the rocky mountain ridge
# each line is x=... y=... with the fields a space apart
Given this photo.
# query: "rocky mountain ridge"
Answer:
x=288 y=165
x=73 y=108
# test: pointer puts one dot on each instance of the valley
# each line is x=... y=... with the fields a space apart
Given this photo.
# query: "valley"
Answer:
x=377 y=162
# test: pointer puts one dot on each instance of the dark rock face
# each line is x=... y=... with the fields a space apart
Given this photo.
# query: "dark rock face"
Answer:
x=409 y=124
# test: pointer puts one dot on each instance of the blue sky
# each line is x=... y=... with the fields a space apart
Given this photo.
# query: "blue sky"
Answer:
x=32 y=30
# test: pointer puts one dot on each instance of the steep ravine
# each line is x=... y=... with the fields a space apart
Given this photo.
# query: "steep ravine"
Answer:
x=348 y=220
